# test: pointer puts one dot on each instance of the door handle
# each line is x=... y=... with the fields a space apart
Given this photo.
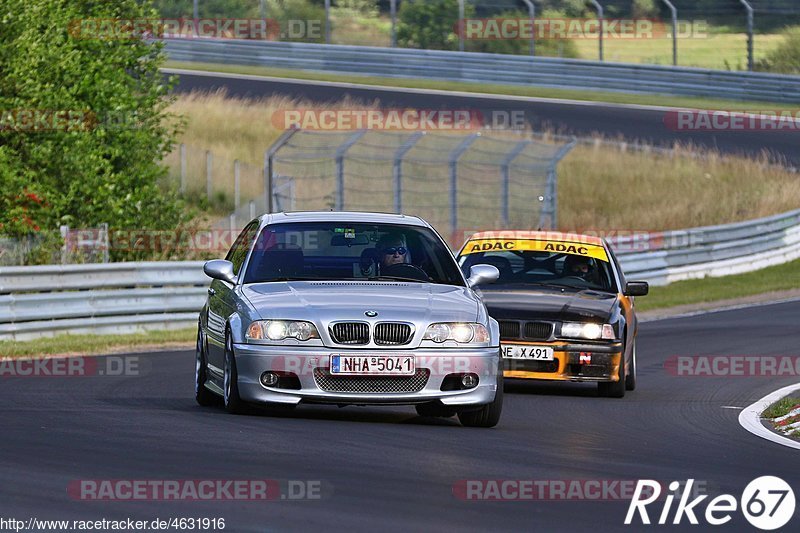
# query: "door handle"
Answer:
x=211 y=292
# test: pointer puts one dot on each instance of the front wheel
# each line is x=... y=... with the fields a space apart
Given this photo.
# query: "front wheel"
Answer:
x=489 y=415
x=233 y=403
x=202 y=395
x=630 y=379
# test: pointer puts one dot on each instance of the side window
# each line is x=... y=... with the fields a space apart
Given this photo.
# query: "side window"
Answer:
x=238 y=252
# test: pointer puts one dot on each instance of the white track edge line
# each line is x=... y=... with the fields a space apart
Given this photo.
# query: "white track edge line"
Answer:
x=750 y=418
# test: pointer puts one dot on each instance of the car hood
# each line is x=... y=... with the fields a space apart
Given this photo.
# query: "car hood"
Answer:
x=550 y=304
x=326 y=301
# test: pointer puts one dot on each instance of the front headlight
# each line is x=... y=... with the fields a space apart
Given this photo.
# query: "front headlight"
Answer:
x=460 y=332
x=587 y=330
x=278 y=330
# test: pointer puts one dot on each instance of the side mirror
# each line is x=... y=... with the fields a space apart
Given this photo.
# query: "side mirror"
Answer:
x=220 y=269
x=482 y=274
x=636 y=288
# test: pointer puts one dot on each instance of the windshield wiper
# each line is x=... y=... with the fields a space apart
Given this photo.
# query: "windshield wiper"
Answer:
x=395 y=278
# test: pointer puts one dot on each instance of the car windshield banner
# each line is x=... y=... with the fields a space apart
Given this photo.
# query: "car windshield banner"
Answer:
x=575 y=247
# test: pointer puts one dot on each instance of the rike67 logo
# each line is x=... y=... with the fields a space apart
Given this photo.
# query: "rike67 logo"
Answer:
x=767 y=502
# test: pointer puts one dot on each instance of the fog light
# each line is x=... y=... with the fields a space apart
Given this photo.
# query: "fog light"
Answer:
x=269 y=379
x=469 y=381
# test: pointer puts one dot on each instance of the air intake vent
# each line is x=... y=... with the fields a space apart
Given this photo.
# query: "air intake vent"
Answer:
x=509 y=330
x=351 y=333
x=392 y=334
x=538 y=330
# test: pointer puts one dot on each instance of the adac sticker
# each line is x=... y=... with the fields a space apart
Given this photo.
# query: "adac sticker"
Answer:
x=533 y=245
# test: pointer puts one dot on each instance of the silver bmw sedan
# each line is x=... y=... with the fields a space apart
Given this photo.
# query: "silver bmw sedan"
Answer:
x=348 y=309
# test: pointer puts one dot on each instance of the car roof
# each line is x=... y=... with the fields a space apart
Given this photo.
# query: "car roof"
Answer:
x=536 y=235
x=342 y=216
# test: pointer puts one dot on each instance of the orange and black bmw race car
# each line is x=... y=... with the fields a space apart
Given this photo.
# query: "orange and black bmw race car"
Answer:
x=565 y=310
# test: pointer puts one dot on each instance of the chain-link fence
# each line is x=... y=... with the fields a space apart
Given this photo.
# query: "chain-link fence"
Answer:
x=719 y=34
x=459 y=183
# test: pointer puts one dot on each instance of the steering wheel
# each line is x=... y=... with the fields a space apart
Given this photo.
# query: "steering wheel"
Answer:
x=577 y=278
x=405 y=270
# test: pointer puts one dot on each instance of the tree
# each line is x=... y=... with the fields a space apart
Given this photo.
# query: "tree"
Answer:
x=430 y=24
x=83 y=119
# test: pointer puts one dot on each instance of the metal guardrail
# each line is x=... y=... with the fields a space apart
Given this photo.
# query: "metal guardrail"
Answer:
x=711 y=251
x=99 y=298
x=122 y=297
x=491 y=68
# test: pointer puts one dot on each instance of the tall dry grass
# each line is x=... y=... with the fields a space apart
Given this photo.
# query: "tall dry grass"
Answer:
x=601 y=186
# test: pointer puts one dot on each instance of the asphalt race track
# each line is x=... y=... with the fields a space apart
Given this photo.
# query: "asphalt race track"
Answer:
x=630 y=123
x=386 y=468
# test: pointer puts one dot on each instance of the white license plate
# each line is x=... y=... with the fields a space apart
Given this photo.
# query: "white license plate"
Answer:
x=372 y=365
x=537 y=353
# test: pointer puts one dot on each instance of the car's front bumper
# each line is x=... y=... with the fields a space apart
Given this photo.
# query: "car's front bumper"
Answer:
x=594 y=362
x=253 y=360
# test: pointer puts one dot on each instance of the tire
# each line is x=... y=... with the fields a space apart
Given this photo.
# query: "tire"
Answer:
x=434 y=410
x=233 y=403
x=489 y=415
x=614 y=389
x=630 y=378
x=202 y=395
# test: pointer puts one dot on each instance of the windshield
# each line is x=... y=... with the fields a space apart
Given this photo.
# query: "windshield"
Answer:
x=543 y=268
x=351 y=251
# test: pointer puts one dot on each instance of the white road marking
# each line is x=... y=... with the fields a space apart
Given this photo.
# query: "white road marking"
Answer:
x=720 y=310
x=414 y=90
x=750 y=418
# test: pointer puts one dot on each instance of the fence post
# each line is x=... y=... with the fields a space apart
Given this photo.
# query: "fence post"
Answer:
x=393 y=14
x=551 y=196
x=103 y=237
x=506 y=175
x=750 y=43
x=64 y=247
x=183 y=168
x=236 y=185
x=268 y=165
x=397 y=169
x=600 y=17
x=460 y=25
x=340 y=153
x=454 y=156
x=209 y=183
x=327 y=21
x=674 y=13
x=532 y=14
x=252 y=209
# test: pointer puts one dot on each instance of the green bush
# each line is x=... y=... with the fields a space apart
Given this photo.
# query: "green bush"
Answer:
x=786 y=57
x=104 y=166
x=430 y=24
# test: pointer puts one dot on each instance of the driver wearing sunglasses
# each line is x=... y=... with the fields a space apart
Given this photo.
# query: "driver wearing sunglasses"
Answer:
x=393 y=250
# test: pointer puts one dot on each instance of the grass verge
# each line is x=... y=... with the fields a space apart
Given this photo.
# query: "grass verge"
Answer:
x=682 y=189
x=781 y=407
x=487 y=88
x=97 y=344
x=772 y=279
